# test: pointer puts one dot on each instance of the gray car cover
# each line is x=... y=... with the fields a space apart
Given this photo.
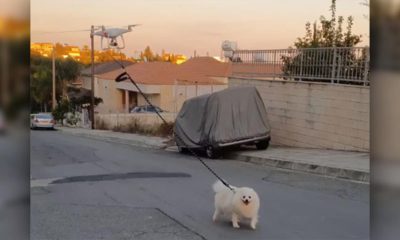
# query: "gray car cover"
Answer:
x=227 y=116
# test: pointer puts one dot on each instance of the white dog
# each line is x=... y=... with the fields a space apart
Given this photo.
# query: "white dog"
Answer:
x=240 y=203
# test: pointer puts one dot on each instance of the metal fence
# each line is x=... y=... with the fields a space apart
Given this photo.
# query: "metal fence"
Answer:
x=348 y=65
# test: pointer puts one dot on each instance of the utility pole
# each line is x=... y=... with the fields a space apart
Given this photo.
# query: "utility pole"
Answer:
x=92 y=76
x=54 y=78
x=5 y=74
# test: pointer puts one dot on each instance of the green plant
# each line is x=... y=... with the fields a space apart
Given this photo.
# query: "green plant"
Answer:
x=61 y=109
x=328 y=33
x=165 y=129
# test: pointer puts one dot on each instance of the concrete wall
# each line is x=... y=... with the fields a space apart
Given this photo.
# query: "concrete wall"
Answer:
x=113 y=98
x=153 y=98
x=182 y=92
x=315 y=115
x=167 y=97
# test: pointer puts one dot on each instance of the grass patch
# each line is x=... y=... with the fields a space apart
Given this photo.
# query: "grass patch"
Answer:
x=162 y=130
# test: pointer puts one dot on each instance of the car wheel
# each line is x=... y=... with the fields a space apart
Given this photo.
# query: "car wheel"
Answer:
x=182 y=149
x=262 y=145
x=211 y=152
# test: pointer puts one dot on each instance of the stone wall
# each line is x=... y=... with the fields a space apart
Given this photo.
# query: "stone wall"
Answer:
x=315 y=115
x=124 y=121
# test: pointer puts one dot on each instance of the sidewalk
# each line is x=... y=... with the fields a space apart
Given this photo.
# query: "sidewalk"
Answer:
x=338 y=164
x=118 y=137
x=332 y=163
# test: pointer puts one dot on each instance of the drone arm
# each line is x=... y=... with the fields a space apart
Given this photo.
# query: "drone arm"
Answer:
x=123 y=42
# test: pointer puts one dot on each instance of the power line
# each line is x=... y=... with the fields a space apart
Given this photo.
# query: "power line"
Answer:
x=67 y=31
x=56 y=32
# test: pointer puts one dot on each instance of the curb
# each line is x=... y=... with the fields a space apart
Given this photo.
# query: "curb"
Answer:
x=348 y=174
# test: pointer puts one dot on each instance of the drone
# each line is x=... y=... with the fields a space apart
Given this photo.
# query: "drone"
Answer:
x=112 y=35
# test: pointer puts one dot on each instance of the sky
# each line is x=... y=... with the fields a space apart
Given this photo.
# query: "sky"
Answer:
x=183 y=26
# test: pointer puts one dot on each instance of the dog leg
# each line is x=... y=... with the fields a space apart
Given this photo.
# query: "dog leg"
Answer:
x=253 y=222
x=235 y=220
x=215 y=216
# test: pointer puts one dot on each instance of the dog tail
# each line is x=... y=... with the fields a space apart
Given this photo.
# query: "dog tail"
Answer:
x=218 y=186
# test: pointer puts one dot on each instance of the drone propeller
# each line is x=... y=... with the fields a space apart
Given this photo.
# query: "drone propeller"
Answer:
x=132 y=26
x=112 y=35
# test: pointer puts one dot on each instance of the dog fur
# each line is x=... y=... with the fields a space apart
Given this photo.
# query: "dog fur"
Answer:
x=241 y=203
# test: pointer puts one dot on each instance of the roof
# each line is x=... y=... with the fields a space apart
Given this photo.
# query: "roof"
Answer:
x=199 y=69
x=152 y=73
x=101 y=68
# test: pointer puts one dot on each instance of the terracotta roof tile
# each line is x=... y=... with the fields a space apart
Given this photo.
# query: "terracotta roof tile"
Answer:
x=105 y=67
x=199 y=69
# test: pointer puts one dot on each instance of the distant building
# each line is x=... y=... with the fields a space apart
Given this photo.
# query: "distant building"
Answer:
x=73 y=52
x=179 y=59
x=82 y=55
x=43 y=49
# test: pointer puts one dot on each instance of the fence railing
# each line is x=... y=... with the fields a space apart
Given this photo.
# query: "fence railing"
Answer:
x=348 y=65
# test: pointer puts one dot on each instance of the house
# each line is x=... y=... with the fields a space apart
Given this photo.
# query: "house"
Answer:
x=43 y=49
x=165 y=84
x=99 y=84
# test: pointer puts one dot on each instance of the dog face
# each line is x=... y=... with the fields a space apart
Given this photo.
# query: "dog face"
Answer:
x=247 y=195
x=246 y=199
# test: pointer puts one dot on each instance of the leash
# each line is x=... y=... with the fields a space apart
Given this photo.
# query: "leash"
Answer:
x=124 y=76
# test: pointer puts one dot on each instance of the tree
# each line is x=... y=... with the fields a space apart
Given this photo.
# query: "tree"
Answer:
x=61 y=109
x=147 y=55
x=328 y=33
x=41 y=82
x=59 y=50
x=80 y=97
x=67 y=70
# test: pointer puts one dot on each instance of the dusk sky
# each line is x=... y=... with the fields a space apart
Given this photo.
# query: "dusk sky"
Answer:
x=182 y=26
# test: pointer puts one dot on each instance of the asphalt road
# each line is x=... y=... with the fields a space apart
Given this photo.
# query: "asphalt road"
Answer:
x=104 y=190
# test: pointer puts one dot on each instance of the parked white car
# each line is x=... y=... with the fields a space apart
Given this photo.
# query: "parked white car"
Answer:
x=146 y=109
x=42 y=120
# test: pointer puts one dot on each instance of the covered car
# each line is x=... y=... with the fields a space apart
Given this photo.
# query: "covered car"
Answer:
x=233 y=116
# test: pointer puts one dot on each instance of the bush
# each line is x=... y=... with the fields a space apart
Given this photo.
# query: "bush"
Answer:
x=163 y=130
x=61 y=109
x=100 y=124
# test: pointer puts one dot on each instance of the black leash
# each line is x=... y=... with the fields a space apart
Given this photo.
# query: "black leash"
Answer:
x=124 y=76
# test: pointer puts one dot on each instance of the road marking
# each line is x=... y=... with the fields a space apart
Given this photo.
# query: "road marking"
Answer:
x=172 y=149
x=106 y=177
x=42 y=182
